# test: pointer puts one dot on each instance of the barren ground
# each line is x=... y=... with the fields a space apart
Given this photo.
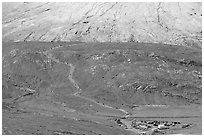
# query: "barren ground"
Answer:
x=84 y=88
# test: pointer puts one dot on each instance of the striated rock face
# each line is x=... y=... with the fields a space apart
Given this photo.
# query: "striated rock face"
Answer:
x=172 y=23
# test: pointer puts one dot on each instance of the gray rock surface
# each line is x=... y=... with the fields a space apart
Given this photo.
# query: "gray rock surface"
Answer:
x=172 y=23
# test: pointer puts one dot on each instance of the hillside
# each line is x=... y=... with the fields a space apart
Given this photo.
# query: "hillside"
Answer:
x=101 y=68
x=98 y=81
x=170 y=23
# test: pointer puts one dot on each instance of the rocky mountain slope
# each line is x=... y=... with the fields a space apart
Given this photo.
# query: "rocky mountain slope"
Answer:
x=173 y=23
x=87 y=68
x=97 y=82
x=112 y=73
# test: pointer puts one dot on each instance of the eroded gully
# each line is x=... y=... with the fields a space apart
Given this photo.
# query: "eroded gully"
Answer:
x=70 y=77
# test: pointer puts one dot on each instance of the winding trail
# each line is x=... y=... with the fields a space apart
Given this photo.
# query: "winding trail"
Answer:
x=72 y=68
x=77 y=94
x=70 y=77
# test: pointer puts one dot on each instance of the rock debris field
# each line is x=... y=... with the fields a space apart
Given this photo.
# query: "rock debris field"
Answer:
x=108 y=68
x=64 y=88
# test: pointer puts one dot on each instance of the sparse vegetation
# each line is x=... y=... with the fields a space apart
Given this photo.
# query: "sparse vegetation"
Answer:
x=93 y=81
